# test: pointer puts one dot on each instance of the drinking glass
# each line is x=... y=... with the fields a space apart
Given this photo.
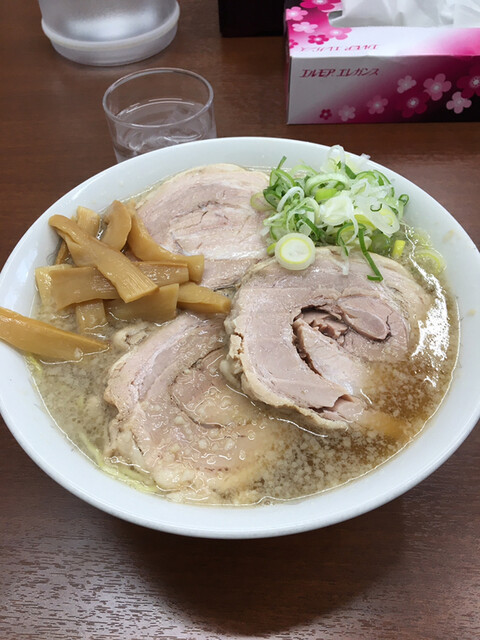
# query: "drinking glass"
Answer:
x=157 y=108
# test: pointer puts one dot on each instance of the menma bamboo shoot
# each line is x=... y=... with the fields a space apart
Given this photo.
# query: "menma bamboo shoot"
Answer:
x=90 y=316
x=156 y=307
x=144 y=247
x=127 y=279
x=45 y=340
x=202 y=299
x=43 y=278
x=119 y=223
x=89 y=221
x=80 y=284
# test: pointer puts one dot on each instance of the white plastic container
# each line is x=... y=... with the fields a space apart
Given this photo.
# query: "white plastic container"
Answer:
x=109 y=33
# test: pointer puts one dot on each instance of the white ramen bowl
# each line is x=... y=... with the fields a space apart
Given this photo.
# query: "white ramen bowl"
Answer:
x=35 y=431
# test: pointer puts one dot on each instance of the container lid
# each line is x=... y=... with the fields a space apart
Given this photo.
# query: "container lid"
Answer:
x=116 y=52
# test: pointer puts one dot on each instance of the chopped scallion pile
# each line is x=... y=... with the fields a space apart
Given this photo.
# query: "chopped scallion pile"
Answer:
x=340 y=204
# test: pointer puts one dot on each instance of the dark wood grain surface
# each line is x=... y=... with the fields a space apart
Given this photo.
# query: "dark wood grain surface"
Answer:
x=408 y=570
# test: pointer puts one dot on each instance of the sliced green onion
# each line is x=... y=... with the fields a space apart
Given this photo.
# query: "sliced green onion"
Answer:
x=380 y=243
x=295 y=251
x=325 y=179
x=319 y=234
x=347 y=228
x=272 y=198
x=258 y=202
x=378 y=276
x=398 y=247
x=271 y=248
x=278 y=176
x=374 y=176
x=325 y=193
x=349 y=172
x=276 y=233
x=361 y=219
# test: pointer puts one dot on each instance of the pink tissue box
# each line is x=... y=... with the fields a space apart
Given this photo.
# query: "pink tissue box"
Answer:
x=378 y=74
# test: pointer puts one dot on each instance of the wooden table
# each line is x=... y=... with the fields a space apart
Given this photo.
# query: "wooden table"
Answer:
x=408 y=570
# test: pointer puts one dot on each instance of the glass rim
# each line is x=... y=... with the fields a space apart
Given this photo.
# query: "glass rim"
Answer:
x=155 y=70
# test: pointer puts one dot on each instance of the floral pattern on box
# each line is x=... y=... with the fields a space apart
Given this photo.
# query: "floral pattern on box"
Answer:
x=436 y=87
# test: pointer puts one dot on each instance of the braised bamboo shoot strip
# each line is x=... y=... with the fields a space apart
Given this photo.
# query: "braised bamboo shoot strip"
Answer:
x=119 y=223
x=163 y=273
x=159 y=306
x=79 y=284
x=87 y=220
x=43 y=278
x=128 y=280
x=193 y=297
x=45 y=340
x=62 y=253
x=144 y=247
x=90 y=316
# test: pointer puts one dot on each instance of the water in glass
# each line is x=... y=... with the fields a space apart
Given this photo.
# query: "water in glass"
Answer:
x=160 y=123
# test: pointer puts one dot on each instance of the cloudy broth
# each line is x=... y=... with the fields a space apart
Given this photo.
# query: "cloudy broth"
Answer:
x=299 y=463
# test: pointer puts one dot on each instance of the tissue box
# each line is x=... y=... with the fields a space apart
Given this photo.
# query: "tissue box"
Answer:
x=378 y=74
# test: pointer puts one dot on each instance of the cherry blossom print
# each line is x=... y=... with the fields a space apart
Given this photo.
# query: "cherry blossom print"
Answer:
x=295 y=13
x=323 y=5
x=413 y=103
x=325 y=114
x=458 y=103
x=337 y=33
x=318 y=39
x=377 y=104
x=437 y=86
x=292 y=44
x=305 y=27
x=406 y=83
x=346 y=113
x=470 y=84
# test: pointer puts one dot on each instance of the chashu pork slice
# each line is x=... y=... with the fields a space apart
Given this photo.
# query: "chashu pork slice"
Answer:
x=207 y=210
x=179 y=421
x=312 y=342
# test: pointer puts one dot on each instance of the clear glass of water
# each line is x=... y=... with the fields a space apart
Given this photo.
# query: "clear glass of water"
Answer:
x=157 y=108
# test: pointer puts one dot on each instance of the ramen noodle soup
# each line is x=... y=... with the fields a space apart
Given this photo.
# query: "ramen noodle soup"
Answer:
x=250 y=378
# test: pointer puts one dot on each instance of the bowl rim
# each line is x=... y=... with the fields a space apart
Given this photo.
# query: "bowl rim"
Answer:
x=230 y=526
